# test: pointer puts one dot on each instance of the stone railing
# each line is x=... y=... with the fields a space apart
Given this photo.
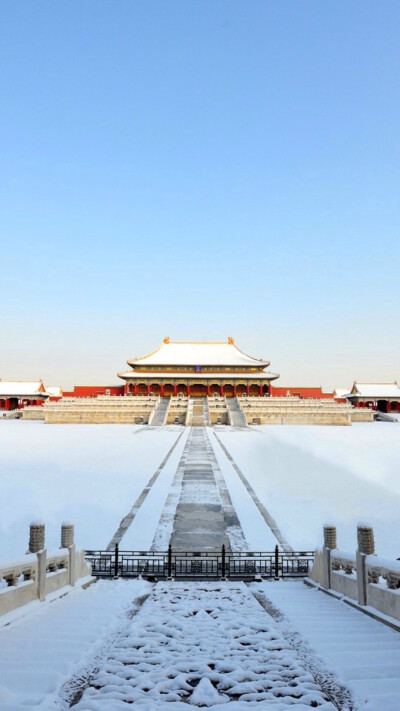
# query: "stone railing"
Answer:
x=40 y=572
x=363 y=576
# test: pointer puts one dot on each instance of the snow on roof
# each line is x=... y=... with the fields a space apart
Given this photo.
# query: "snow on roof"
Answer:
x=194 y=353
x=55 y=391
x=341 y=392
x=376 y=390
x=21 y=388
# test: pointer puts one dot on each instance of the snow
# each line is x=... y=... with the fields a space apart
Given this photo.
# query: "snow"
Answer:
x=39 y=652
x=377 y=390
x=141 y=533
x=206 y=644
x=197 y=353
x=257 y=534
x=20 y=388
x=304 y=476
x=363 y=653
x=307 y=475
x=202 y=645
x=88 y=474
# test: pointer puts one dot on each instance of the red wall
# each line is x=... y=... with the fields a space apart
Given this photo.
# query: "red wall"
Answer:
x=94 y=390
x=300 y=392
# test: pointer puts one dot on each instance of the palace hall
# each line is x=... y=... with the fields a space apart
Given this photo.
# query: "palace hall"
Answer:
x=198 y=369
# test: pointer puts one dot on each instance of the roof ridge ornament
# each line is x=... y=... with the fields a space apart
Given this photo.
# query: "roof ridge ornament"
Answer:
x=231 y=340
x=166 y=339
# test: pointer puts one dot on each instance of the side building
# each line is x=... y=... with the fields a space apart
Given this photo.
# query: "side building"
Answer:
x=198 y=369
x=16 y=394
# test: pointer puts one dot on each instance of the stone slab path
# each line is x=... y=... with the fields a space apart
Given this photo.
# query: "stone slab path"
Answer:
x=199 y=514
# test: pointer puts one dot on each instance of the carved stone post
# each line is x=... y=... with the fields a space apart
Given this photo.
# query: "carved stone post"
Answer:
x=42 y=572
x=366 y=546
x=72 y=565
x=365 y=539
x=67 y=534
x=36 y=536
x=329 y=544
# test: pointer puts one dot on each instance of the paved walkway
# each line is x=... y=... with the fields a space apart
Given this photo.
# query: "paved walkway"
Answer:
x=199 y=514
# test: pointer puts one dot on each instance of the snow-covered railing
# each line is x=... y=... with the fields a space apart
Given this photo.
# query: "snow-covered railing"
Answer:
x=363 y=576
x=40 y=572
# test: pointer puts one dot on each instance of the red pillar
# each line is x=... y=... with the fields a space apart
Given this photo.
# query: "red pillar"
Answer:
x=221 y=390
x=188 y=390
x=149 y=389
x=162 y=389
x=260 y=391
x=387 y=406
x=208 y=390
x=234 y=390
x=247 y=390
x=7 y=404
x=175 y=390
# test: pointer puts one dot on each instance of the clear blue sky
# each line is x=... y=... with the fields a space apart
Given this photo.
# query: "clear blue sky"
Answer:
x=200 y=169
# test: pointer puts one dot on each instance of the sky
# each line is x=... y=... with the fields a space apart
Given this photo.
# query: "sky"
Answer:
x=200 y=169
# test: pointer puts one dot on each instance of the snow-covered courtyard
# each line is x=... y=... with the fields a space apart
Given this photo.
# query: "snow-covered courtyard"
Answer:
x=202 y=644
x=304 y=476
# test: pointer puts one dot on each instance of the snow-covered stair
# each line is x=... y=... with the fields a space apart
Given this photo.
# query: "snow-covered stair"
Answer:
x=236 y=415
x=43 y=648
x=202 y=645
x=158 y=416
x=364 y=653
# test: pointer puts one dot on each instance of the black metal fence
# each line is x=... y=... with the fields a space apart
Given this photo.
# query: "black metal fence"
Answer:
x=201 y=565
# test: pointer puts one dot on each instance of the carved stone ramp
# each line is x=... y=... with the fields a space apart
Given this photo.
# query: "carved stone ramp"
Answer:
x=202 y=645
x=198 y=514
x=269 y=520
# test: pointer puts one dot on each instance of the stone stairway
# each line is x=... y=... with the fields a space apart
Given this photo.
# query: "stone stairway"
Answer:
x=202 y=644
x=235 y=413
x=363 y=653
x=196 y=412
x=158 y=417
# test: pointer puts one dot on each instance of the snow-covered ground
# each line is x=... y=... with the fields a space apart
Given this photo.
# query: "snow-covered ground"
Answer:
x=198 y=644
x=304 y=476
x=88 y=474
x=308 y=476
